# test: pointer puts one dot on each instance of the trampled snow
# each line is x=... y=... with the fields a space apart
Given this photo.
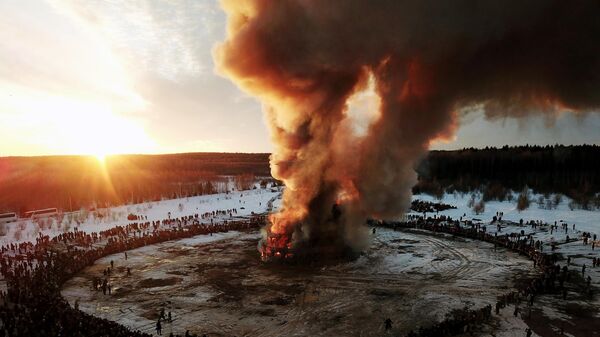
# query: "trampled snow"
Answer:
x=259 y=200
x=584 y=220
x=245 y=202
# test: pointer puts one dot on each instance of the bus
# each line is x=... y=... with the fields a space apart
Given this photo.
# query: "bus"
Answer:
x=8 y=218
x=42 y=213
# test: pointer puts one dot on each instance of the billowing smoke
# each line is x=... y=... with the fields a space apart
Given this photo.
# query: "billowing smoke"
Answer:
x=428 y=59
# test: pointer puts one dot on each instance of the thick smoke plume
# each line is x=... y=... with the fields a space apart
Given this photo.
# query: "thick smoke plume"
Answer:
x=429 y=59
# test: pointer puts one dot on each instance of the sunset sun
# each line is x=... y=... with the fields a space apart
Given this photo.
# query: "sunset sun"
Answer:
x=101 y=157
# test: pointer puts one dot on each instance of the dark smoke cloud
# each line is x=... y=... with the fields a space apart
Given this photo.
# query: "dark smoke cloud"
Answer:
x=429 y=60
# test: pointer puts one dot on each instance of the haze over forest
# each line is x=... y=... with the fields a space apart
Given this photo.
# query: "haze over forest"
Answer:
x=72 y=182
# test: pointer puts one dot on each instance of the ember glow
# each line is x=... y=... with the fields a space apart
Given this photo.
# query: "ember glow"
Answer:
x=430 y=60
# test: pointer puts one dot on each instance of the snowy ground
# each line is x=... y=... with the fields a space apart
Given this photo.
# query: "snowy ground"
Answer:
x=414 y=258
x=223 y=289
x=584 y=220
x=580 y=313
x=246 y=203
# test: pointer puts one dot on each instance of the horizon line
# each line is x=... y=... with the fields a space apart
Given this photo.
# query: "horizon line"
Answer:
x=269 y=153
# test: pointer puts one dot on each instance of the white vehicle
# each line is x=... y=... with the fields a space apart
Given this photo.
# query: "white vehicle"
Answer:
x=42 y=213
x=8 y=218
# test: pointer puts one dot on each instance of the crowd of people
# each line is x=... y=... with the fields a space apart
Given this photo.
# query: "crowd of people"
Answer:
x=32 y=304
x=421 y=206
x=550 y=279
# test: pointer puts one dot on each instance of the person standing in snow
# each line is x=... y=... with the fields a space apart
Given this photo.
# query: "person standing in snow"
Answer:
x=158 y=327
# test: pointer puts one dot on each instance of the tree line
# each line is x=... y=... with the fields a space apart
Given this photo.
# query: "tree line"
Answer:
x=570 y=170
x=73 y=182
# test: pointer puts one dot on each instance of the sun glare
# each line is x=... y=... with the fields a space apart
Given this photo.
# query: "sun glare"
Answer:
x=68 y=125
x=101 y=157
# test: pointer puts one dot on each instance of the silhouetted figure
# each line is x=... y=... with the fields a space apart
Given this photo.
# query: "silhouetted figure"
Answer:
x=388 y=324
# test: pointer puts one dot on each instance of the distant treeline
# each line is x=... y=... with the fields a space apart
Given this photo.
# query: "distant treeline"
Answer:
x=571 y=170
x=72 y=182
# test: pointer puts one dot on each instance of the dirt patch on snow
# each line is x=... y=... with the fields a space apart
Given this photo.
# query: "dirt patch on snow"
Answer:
x=159 y=282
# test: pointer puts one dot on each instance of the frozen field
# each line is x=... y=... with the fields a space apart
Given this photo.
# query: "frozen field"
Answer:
x=245 y=202
x=217 y=284
x=580 y=315
x=222 y=288
x=257 y=201
x=584 y=220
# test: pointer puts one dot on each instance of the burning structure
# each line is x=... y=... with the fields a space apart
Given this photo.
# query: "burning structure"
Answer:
x=326 y=241
x=429 y=60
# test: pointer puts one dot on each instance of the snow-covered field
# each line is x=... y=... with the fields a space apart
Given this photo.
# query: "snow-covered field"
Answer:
x=257 y=201
x=218 y=285
x=245 y=202
x=553 y=312
x=584 y=220
x=262 y=200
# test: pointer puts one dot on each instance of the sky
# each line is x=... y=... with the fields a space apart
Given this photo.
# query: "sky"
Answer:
x=106 y=77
